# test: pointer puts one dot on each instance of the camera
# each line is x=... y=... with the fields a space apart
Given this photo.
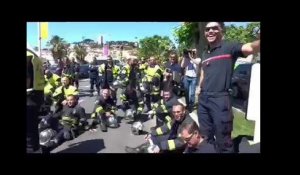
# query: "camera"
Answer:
x=187 y=51
x=168 y=70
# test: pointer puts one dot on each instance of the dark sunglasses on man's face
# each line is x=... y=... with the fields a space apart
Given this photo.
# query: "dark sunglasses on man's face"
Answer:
x=207 y=29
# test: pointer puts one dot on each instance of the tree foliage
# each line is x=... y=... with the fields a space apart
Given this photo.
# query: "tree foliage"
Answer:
x=156 y=46
x=59 y=47
x=186 y=35
x=242 y=34
x=81 y=52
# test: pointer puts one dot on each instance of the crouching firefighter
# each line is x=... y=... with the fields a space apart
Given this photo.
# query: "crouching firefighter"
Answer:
x=62 y=126
x=105 y=111
x=62 y=92
x=165 y=138
x=163 y=109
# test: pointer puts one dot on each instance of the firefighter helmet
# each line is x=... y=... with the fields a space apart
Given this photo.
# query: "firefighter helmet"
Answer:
x=137 y=128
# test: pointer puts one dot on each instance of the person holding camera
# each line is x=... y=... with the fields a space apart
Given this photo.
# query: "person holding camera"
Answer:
x=172 y=67
x=190 y=65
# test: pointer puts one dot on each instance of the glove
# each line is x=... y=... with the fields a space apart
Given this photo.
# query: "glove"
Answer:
x=153 y=149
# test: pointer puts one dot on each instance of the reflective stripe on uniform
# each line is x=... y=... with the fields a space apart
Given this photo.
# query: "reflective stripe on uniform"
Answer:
x=169 y=119
x=169 y=125
x=123 y=97
x=159 y=131
x=99 y=109
x=171 y=144
x=93 y=115
x=139 y=109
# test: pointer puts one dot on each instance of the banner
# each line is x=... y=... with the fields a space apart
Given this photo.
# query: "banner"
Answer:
x=106 y=50
x=44 y=30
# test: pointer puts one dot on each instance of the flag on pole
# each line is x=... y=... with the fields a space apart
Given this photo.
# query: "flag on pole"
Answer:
x=44 y=30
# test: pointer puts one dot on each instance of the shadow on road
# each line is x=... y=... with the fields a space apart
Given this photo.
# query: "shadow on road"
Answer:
x=88 y=146
x=84 y=94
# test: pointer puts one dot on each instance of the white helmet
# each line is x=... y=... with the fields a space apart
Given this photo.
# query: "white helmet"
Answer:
x=46 y=136
x=116 y=84
x=137 y=128
x=112 y=122
x=144 y=87
x=130 y=113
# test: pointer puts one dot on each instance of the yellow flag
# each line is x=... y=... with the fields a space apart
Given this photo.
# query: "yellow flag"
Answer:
x=44 y=30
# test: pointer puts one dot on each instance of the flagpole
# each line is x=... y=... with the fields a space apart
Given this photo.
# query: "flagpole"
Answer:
x=40 y=39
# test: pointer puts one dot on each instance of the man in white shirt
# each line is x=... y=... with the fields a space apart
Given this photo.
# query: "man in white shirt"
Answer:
x=190 y=65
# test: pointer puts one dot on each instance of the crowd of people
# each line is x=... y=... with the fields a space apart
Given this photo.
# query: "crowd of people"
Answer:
x=147 y=88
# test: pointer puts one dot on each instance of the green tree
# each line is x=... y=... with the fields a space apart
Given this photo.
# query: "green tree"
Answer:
x=80 y=52
x=186 y=35
x=157 y=46
x=242 y=34
x=58 y=47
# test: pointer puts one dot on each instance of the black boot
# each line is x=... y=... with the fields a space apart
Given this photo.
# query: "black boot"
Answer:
x=140 y=149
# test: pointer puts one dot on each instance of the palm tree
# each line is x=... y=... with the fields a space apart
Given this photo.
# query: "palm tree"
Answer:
x=80 y=52
x=58 y=48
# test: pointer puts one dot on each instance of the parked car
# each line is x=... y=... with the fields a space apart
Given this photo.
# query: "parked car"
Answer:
x=240 y=82
x=84 y=71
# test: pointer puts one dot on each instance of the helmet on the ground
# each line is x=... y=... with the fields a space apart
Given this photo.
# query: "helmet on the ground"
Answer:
x=116 y=84
x=112 y=122
x=44 y=124
x=46 y=136
x=137 y=128
x=144 y=87
x=130 y=113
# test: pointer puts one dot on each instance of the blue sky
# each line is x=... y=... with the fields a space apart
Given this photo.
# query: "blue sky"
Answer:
x=117 y=31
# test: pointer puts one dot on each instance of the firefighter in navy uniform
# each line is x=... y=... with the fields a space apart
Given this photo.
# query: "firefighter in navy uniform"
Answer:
x=35 y=83
x=66 y=123
x=105 y=111
x=132 y=102
x=163 y=109
x=94 y=77
x=68 y=71
x=76 y=69
x=112 y=72
x=166 y=138
x=214 y=111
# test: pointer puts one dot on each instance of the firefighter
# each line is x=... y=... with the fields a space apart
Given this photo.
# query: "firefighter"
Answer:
x=53 y=79
x=35 y=83
x=132 y=102
x=60 y=94
x=163 y=109
x=152 y=79
x=165 y=138
x=66 y=123
x=76 y=69
x=94 y=77
x=68 y=71
x=105 y=111
x=111 y=72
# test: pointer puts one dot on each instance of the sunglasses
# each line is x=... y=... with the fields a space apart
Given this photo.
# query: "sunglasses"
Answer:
x=207 y=29
x=186 y=140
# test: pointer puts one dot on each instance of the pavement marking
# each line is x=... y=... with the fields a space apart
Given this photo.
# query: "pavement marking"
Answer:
x=79 y=101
